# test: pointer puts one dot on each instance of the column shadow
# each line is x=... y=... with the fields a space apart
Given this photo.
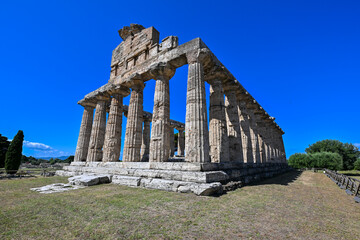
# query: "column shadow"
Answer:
x=281 y=179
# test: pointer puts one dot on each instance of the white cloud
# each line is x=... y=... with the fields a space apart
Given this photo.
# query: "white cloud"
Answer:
x=357 y=145
x=36 y=149
x=37 y=146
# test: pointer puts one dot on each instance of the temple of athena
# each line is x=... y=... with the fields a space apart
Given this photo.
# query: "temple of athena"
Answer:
x=239 y=143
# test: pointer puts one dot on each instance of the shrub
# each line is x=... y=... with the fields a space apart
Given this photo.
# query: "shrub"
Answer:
x=329 y=160
x=357 y=165
x=299 y=160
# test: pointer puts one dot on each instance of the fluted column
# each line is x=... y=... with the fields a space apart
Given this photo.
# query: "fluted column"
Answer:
x=172 y=142
x=145 y=146
x=133 y=135
x=196 y=126
x=218 y=134
x=254 y=136
x=233 y=126
x=262 y=138
x=245 y=132
x=283 y=149
x=82 y=146
x=181 y=143
x=160 y=143
x=112 y=144
x=95 y=152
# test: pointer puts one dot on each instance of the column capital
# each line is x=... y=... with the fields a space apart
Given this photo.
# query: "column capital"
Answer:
x=198 y=56
x=162 y=71
x=121 y=90
x=87 y=103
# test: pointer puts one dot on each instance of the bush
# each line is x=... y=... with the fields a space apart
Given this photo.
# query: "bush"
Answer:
x=347 y=151
x=299 y=160
x=14 y=154
x=329 y=160
x=357 y=165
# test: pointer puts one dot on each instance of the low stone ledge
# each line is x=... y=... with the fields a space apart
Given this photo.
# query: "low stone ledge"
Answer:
x=201 y=189
x=89 y=180
x=126 y=180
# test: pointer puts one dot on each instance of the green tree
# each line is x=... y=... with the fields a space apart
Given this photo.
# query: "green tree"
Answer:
x=4 y=145
x=300 y=160
x=24 y=159
x=329 y=160
x=14 y=153
x=347 y=151
x=69 y=159
x=357 y=164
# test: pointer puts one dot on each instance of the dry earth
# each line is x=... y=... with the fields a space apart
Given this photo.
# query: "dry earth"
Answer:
x=294 y=205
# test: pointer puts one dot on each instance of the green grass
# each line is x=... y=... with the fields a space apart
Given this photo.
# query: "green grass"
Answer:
x=351 y=173
x=305 y=206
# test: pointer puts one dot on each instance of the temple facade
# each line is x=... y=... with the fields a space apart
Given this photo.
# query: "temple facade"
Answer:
x=237 y=141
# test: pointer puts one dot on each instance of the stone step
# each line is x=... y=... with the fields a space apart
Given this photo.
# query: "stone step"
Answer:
x=187 y=176
x=201 y=189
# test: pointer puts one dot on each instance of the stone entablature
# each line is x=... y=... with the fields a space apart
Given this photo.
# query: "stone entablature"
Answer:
x=239 y=130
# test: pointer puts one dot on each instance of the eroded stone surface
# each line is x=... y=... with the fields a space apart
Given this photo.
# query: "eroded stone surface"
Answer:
x=55 y=188
x=89 y=180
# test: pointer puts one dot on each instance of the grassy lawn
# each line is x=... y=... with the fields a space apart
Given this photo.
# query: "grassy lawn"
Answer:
x=351 y=173
x=295 y=205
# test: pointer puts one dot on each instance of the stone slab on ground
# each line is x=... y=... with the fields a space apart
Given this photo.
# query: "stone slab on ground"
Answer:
x=56 y=187
x=89 y=180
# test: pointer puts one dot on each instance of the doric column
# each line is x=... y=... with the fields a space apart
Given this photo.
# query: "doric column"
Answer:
x=160 y=142
x=233 y=126
x=145 y=146
x=254 y=135
x=95 y=152
x=172 y=142
x=196 y=126
x=282 y=148
x=245 y=130
x=218 y=135
x=133 y=135
x=262 y=140
x=82 y=146
x=112 y=144
x=181 y=142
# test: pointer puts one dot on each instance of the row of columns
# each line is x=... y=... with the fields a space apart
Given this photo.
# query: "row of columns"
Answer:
x=237 y=131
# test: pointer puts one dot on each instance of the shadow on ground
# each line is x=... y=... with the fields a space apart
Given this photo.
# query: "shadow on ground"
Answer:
x=282 y=179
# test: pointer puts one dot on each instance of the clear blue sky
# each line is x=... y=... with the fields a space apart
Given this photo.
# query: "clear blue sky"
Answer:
x=299 y=59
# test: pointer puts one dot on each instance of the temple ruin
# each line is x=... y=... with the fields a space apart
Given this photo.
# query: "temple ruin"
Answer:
x=240 y=143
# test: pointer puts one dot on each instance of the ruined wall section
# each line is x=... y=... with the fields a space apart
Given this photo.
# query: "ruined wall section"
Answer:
x=139 y=44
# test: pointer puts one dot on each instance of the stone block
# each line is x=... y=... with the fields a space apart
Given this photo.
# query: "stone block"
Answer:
x=169 y=42
x=126 y=180
x=89 y=180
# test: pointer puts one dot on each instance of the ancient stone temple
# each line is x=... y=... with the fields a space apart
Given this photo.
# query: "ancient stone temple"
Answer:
x=238 y=142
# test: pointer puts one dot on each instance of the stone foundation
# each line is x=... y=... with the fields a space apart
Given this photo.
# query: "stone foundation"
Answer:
x=198 y=178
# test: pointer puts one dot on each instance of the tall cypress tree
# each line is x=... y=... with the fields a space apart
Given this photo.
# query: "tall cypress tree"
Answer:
x=4 y=145
x=14 y=153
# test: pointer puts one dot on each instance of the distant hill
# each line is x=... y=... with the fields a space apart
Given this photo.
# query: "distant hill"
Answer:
x=48 y=158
